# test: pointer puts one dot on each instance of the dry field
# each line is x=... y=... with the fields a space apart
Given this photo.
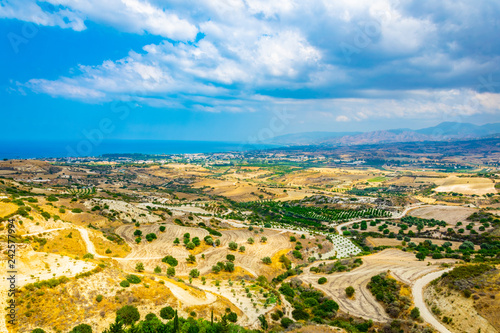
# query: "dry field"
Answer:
x=151 y=253
x=402 y=266
x=464 y=185
x=461 y=310
x=449 y=214
x=7 y=208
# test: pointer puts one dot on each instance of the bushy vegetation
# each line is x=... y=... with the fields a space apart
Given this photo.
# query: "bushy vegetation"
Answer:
x=387 y=291
x=308 y=303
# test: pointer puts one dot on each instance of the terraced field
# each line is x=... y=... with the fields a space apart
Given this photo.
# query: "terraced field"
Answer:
x=402 y=265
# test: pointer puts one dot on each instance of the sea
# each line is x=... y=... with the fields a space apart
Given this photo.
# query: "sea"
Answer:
x=88 y=148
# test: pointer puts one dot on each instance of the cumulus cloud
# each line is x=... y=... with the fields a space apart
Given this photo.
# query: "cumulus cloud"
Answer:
x=356 y=59
x=136 y=16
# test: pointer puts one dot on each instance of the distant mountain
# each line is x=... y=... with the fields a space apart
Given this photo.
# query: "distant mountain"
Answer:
x=442 y=132
x=309 y=137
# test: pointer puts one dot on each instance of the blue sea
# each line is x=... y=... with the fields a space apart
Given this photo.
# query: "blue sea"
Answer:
x=85 y=148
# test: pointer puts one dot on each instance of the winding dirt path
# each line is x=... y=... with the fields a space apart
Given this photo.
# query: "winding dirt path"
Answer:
x=418 y=297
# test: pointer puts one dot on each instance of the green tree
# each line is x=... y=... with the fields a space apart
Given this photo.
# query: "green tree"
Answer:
x=349 y=291
x=82 y=328
x=194 y=273
x=229 y=267
x=230 y=257
x=177 y=241
x=263 y=239
x=157 y=270
x=171 y=271
x=322 y=280
x=139 y=267
x=128 y=314
x=162 y=228
x=167 y=313
x=233 y=246
x=191 y=259
x=176 y=322
x=250 y=240
x=267 y=260
x=415 y=313
x=263 y=322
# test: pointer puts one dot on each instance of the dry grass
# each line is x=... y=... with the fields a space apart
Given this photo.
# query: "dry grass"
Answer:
x=469 y=186
x=64 y=242
x=7 y=208
x=102 y=244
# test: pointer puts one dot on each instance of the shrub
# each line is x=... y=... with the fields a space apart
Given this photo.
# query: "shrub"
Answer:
x=286 y=322
x=349 y=291
x=38 y=330
x=216 y=268
x=150 y=237
x=233 y=246
x=128 y=314
x=191 y=259
x=230 y=257
x=194 y=273
x=297 y=254
x=82 y=328
x=125 y=284
x=208 y=240
x=133 y=279
x=151 y=316
x=171 y=271
x=229 y=267
x=190 y=246
x=137 y=232
x=415 y=313
x=52 y=198
x=267 y=260
x=167 y=313
x=263 y=239
x=99 y=298
x=139 y=267
x=232 y=317
x=162 y=228
x=88 y=256
x=157 y=270
x=170 y=260
x=299 y=314
x=46 y=215
x=322 y=280
x=76 y=210
x=242 y=249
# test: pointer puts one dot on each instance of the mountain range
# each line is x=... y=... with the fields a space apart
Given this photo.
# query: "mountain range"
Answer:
x=445 y=131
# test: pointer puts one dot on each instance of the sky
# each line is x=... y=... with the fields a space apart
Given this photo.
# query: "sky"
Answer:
x=244 y=70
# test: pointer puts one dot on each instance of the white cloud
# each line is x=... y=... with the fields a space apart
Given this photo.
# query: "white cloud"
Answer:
x=342 y=118
x=136 y=16
x=285 y=48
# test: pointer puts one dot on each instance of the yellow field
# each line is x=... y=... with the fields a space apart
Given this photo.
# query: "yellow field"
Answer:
x=464 y=185
x=7 y=208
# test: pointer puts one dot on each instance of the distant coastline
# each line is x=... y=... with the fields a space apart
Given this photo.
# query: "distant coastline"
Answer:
x=85 y=148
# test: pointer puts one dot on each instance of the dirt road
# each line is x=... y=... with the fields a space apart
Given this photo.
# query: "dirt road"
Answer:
x=401 y=265
x=418 y=298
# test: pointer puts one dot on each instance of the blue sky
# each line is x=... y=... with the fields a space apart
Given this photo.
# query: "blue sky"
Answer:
x=244 y=70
